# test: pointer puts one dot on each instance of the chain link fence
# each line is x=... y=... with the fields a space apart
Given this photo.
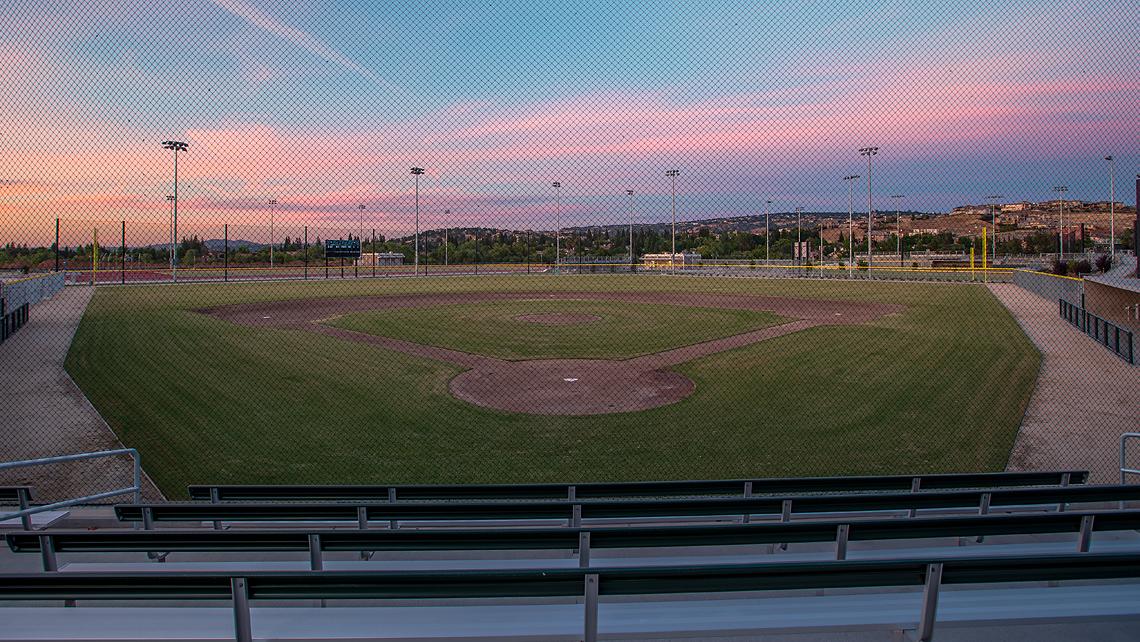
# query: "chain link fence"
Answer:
x=433 y=245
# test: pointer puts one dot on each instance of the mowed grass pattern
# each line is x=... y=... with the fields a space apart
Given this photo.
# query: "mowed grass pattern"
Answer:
x=622 y=330
x=940 y=387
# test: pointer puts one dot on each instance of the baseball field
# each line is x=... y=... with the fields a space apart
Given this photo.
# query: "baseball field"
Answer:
x=553 y=378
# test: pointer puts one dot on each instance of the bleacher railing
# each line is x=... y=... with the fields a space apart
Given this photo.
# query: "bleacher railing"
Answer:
x=1117 y=339
x=134 y=489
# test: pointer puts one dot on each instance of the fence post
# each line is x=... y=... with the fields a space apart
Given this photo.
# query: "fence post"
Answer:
x=226 y=252
x=57 y=244
x=306 y=254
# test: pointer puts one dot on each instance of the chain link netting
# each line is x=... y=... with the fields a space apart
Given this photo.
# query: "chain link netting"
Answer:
x=453 y=243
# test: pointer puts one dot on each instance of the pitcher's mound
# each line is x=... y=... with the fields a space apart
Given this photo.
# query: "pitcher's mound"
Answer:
x=569 y=387
x=558 y=318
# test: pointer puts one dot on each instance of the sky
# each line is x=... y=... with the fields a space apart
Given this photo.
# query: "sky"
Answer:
x=325 y=106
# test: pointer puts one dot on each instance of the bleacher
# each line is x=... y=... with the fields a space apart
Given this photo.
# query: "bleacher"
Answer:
x=592 y=561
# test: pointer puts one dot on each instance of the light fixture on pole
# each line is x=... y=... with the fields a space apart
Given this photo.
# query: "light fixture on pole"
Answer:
x=630 y=193
x=175 y=146
x=360 y=239
x=1111 y=206
x=272 y=207
x=994 y=198
x=557 y=226
x=1061 y=189
x=850 y=220
x=673 y=173
x=417 y=172
x=868 y=152
x=898 y=227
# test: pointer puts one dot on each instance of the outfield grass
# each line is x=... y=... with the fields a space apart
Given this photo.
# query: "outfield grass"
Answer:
x=939 y=387
x=623 y=329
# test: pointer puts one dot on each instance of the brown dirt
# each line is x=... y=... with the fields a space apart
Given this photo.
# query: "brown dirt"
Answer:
x=561 y=386
x=558 y=318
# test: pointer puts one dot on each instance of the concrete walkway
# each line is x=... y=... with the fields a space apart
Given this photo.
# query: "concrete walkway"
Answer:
x=1084 y=399
x=43 y=412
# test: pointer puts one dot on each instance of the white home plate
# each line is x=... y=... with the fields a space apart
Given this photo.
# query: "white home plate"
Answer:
x=570 y=379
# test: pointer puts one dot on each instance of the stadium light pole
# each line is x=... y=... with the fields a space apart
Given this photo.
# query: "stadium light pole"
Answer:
x=850 y=220
x=360 y=239
x=272 y=207
x=1111 y=206
x=672 y=174
x=557 y=226
x=170 y=232
x=417 y=172
x=767 y=233
x=994 y=198
x=868 y=152
x=175 y=146
x=629 y=192
x=898 y=227
x=1061 y=189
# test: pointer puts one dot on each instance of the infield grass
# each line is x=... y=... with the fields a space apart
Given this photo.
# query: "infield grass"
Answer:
x=940 y=387
x=622 y=330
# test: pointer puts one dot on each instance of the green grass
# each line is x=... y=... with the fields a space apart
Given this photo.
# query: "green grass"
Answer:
x=940 y=387
x=623 y=329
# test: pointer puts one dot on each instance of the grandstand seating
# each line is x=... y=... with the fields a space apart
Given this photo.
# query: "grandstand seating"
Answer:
x=590 y=584
x=532 y=561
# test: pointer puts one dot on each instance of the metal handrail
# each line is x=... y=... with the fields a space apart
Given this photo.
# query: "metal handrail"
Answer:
x=1124 y=470
x=135 y=489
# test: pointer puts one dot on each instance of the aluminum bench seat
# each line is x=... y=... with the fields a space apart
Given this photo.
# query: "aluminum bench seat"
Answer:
x=600 y=560
x=991 y=608
x=617 y=490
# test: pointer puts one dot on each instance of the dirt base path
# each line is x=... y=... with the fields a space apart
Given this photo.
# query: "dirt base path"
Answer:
x=1084 y=399
x=562 y=386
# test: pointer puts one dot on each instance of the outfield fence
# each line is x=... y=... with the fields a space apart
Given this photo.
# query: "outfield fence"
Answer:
x=19 y=295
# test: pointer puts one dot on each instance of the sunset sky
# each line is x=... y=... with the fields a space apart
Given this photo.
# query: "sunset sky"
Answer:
x=326 y=105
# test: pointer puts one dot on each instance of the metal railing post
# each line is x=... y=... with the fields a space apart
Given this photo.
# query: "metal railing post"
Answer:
x=584 y=549
x=842 y=534
x=590 y=634
x=915 y=485
x=929 y=602
x=316 y=561
x=785 y=517
x=1085 y=539
x=24 y=498
x=984 y=509
x=243 y=627
x=47 y=554
x=747 y=519
x=392 y=523
x=214 y=499
x=576 y=516
x=135 y=489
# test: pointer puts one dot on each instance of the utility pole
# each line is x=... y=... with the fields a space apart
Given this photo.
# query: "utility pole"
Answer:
x=868 y=152
x=630 y=193
x=673 y=173
x=1111 y=206
x=1061 y=189
x=558 y=227
x=272 y=206
x=898 y=227
x=417 y=172
x=798 y=254
x=767 y=233
x=994 y=198
x=850 y=222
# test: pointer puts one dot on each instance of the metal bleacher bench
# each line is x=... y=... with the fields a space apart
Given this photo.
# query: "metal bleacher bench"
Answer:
x=573 y=512
x=584 y=540
x=557 y=616
x=617 y=490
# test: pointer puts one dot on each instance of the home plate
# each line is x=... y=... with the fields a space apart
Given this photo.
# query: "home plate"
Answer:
x=570 y=379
